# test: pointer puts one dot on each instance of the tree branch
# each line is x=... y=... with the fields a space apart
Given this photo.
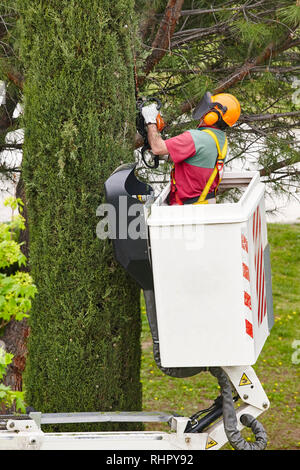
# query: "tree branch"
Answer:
x=277 y=166
x=259 y=68
x=200 y=11
x=11 y=147
x=268 y=117
x=269 y=52
x=191 y=35
x=4 y=23
x=162 y=41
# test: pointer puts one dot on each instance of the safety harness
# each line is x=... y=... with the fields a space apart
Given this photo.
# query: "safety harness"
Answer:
x=218 y=170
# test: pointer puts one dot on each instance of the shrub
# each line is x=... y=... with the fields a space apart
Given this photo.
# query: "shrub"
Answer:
x=16 y=292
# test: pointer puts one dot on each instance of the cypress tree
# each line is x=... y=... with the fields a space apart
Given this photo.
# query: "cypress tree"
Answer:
x=84 y=344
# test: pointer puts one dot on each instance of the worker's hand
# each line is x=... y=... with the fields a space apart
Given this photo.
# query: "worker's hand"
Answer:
x=150 y=113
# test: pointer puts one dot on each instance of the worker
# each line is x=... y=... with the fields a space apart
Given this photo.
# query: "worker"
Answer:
x=195 y=152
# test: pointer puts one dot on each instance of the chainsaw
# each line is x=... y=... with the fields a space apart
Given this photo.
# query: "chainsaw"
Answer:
x=142 y=129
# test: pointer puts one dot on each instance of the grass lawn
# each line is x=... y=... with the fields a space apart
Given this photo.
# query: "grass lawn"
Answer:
x=277 y=367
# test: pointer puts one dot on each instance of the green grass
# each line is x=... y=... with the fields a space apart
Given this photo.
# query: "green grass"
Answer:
x=277 y=366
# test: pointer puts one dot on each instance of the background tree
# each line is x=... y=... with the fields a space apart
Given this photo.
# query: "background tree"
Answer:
x=250 y=49
x=11 y=76
x=16 y=292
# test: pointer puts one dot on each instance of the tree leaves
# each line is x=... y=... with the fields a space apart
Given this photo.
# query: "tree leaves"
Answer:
x=9 y=397
x=16 y=292
x=17 y=289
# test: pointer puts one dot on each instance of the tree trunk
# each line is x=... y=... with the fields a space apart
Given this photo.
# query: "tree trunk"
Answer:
x=84 y=343
x=14 y=338
x=162 y=42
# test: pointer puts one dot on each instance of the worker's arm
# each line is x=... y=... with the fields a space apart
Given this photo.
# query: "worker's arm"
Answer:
x=156 y=143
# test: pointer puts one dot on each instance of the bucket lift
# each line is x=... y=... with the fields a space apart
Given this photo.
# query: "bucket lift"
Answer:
x=205 y=273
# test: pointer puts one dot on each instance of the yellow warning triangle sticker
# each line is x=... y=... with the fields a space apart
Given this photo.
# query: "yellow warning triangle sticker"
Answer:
x=210 y=443
x=245 y=380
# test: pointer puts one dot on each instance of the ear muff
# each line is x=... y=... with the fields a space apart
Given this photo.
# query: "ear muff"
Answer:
x=215 y=115
x=212 y=117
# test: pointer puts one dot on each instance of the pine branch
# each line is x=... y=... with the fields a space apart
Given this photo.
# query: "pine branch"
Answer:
x=277 y=127
x=258 y=69
x=5 y=23
x=198 y=33
x=268 y=117
x=162 y=41
x=200 y=11
x=270 y=52
x=278 y=166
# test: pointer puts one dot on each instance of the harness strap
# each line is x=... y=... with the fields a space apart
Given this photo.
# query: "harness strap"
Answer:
x=174 y=188
x=218 y=170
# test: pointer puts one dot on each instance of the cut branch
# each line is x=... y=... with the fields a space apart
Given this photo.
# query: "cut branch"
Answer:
x=162 y=41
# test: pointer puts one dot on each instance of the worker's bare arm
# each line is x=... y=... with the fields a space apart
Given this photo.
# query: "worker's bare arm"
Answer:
x=157 y=144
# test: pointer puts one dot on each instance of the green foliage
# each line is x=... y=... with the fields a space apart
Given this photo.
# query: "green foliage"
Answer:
x=10 y=252
x=84 y=345
x=79 y=120
x=8 y=397
x=149 y=5
x=5 y=360
x=256 y=34
x=16 y=292
x=290 y=14
x=212 y=49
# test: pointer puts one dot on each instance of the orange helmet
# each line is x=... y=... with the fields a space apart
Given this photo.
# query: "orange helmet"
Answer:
x=221 y=108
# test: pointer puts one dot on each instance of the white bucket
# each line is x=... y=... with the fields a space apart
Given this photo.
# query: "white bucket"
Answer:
x=212 y=277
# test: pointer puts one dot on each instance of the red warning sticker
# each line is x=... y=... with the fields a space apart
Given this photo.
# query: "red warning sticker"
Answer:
x=244 y=243
x=246 y=272
x=249 y=328
x=247 y=300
